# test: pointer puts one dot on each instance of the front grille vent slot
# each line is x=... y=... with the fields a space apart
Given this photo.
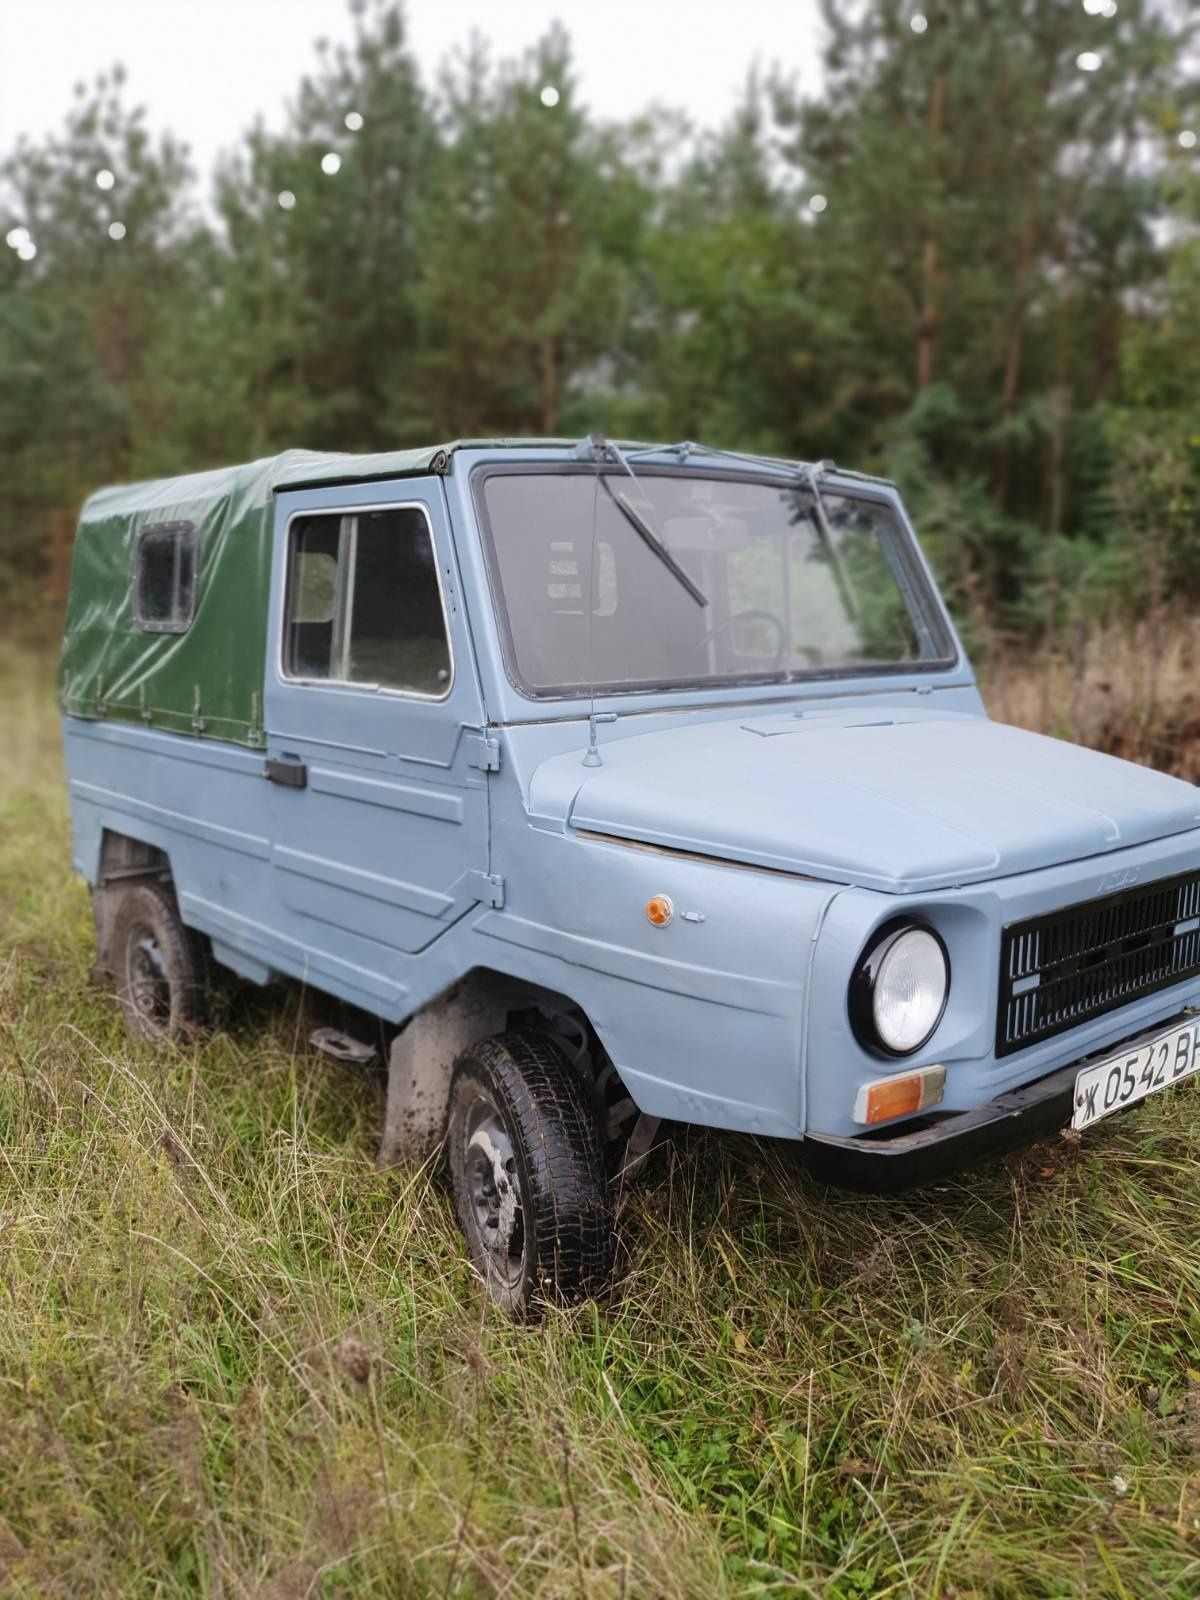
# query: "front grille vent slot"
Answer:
x=1068 y=966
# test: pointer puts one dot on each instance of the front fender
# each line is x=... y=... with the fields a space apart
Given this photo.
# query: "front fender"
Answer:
x=703 y=1017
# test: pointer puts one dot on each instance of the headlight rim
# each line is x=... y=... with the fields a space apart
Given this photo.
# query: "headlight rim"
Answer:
x=862 y=987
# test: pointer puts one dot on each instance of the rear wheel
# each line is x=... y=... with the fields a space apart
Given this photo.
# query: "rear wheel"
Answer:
x=159 y=966
x=528 y=1173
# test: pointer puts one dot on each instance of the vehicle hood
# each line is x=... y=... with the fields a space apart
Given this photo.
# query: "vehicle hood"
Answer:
x=892 y=800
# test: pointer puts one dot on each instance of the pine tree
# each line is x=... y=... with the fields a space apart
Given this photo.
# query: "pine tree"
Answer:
x=528 y=230
x=107 y=209
x=319 y=271
x=991 y=207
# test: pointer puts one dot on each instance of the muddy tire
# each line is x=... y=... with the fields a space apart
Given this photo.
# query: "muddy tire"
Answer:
x=527 y=1170
x=159 y=966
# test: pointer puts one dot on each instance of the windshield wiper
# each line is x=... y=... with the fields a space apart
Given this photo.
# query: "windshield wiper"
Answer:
x=808 y=475
x=600 y=449
x=805 y=472
x=627 y=509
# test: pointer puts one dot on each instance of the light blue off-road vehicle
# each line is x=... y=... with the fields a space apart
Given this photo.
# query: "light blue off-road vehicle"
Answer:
x=609 y=785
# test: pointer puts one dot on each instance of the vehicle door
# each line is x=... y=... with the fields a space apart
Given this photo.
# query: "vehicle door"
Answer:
x=373 y=717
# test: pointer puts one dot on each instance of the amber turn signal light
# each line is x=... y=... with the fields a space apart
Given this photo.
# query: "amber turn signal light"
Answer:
x=659 y=910
x=899 y=1096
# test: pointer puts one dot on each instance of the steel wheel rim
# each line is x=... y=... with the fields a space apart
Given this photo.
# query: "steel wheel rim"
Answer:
x=148 y=983
x=493 y=1192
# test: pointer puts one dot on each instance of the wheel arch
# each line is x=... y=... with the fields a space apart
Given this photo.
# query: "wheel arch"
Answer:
x=122 y=860
x=422 y=1057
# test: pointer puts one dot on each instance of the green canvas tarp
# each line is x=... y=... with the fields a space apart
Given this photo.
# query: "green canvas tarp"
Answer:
x=208 y=680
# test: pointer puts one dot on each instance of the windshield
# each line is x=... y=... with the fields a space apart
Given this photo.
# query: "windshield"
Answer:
x=745 y=587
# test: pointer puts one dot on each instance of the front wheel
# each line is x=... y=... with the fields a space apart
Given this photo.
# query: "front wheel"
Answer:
x=528 y=1173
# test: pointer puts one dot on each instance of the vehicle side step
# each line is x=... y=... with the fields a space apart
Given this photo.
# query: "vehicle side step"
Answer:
x=341 y=1047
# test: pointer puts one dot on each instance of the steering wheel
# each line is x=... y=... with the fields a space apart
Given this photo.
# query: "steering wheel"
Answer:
x=751 y=616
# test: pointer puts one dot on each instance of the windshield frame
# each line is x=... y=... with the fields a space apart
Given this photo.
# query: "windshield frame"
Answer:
x=915 y=573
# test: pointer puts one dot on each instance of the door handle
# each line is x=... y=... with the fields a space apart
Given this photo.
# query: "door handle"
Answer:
x=291 y=774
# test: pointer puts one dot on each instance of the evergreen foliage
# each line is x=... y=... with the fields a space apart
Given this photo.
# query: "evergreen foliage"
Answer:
x=967 y=263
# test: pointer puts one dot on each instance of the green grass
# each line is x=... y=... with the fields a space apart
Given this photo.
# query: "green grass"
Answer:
x=237 y=1361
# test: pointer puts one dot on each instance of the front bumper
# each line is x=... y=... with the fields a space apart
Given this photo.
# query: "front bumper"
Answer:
x=886 y=1164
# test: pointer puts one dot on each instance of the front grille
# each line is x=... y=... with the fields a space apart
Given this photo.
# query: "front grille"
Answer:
x=1068 y=966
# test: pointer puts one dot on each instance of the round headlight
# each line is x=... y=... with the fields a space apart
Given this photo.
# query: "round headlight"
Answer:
x=900 y=989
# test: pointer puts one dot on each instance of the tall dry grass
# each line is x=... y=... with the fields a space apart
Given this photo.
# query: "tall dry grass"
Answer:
x=1130 y=690
x=236 y=1361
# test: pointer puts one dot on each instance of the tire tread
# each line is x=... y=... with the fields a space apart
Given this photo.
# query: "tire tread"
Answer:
x=183 y=951
x=555 y=1124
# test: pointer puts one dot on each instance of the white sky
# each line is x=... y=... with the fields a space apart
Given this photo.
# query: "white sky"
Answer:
x=207 y=68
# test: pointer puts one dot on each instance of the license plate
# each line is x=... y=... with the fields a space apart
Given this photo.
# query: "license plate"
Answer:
x=1123 y=1080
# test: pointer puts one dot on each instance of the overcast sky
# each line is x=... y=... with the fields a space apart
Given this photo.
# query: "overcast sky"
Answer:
x=207 y=68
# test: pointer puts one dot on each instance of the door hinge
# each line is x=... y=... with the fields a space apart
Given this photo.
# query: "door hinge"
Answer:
x=483 y=752
x=487 y=888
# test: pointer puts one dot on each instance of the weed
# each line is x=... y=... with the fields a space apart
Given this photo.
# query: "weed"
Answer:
x=236 y=1360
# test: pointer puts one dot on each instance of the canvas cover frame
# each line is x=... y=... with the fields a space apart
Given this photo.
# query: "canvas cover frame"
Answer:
x=206 y=681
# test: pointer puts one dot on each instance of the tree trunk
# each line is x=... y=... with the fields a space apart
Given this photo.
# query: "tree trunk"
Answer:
x=1108 y=333
x=62 y=544
x=1013 y=351
x=1060 y=413
x=549 y=386
x=927 y=320
x=1060 y=406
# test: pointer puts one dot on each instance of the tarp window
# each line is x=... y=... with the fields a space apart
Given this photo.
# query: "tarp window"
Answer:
x=164 y=577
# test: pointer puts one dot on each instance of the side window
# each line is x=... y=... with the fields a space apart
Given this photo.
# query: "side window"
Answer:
x=164 y=577
x=363 y=603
